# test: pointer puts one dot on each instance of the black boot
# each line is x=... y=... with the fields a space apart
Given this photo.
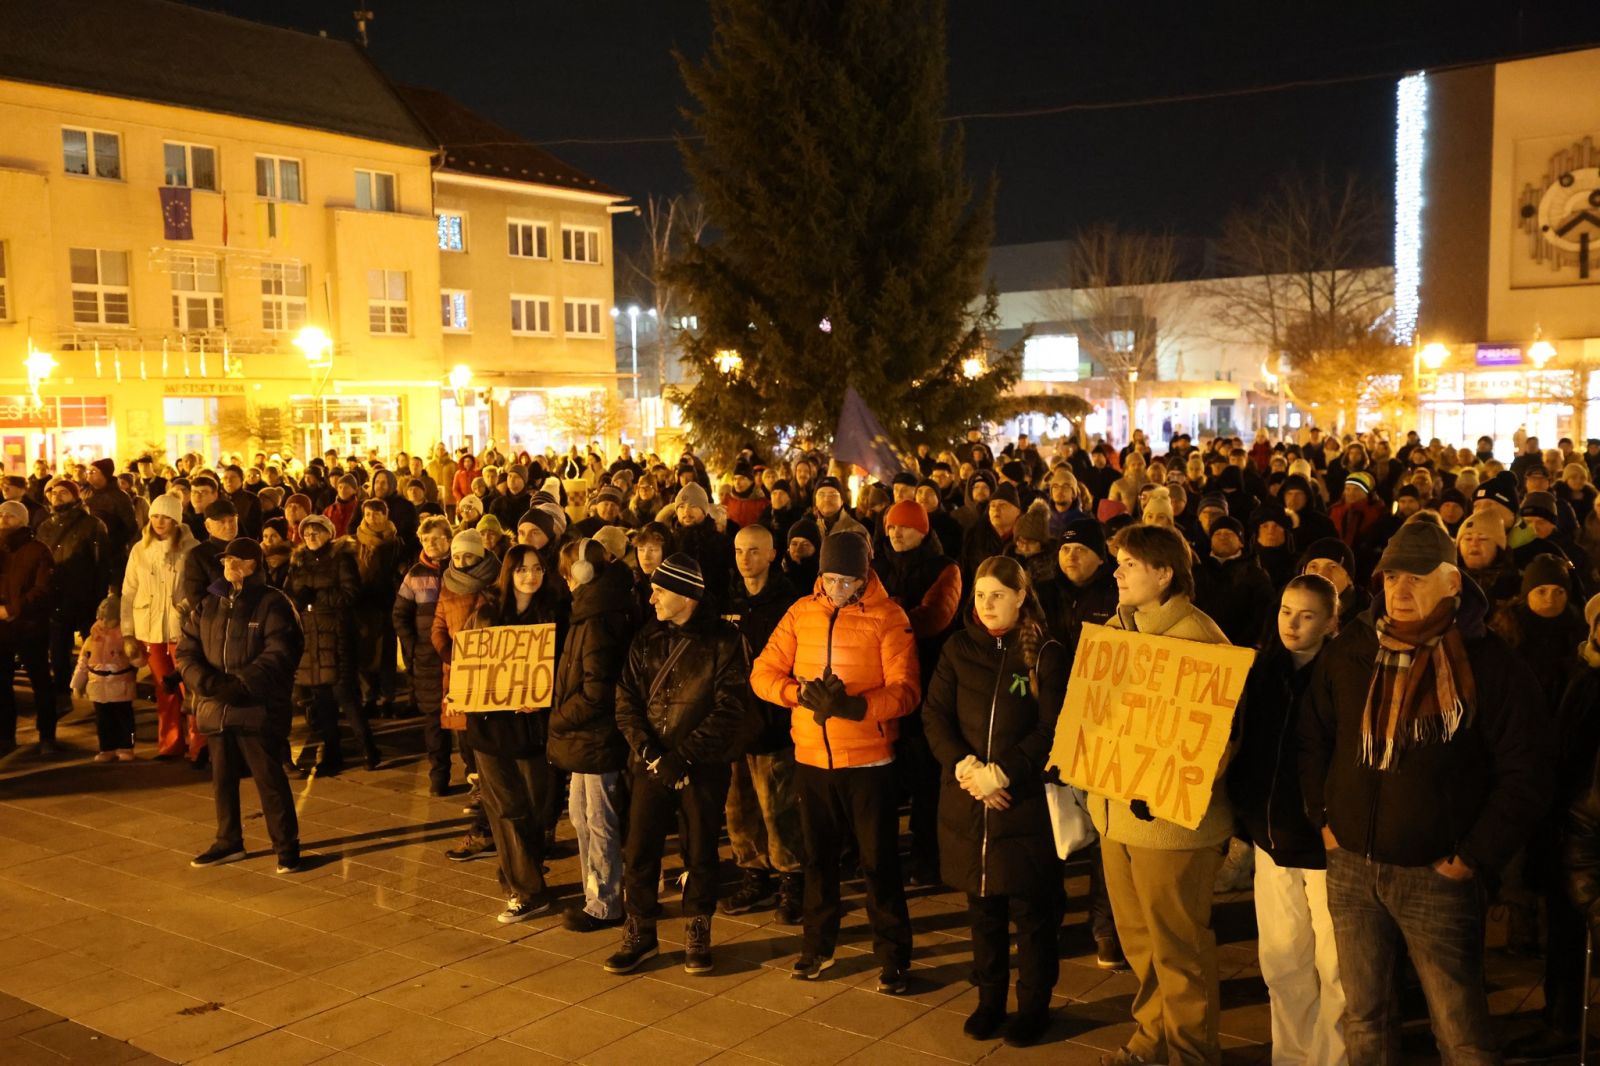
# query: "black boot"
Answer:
x=791 y=899
x=1027 y=1026
x=697 y=945
x=638 y=944
x=755 y=893
x=984 y=1022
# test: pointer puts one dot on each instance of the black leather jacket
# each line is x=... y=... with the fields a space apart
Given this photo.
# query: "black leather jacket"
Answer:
x=686 y=689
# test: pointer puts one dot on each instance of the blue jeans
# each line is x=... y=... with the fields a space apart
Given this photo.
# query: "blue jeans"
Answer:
x=1374 y=905
x=593 y=804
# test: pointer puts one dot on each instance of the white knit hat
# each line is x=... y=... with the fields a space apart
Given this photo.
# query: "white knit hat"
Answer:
x=167 y=506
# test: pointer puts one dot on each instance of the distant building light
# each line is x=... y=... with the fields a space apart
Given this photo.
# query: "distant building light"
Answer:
x=1410 y=137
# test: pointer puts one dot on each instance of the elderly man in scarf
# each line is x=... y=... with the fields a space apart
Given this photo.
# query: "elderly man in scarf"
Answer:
x=1423 y=759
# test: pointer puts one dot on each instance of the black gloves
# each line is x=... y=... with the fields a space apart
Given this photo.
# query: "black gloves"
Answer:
x=1141 y=811
x=826 y=698
x=670 y=769
x=171 y=682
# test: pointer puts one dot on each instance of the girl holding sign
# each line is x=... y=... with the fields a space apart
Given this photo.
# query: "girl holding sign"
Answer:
x=990 y=716
x=1160 y=874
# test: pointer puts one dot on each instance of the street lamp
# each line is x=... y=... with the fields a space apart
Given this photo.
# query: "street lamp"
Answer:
x=317 y=347
x=973 y=366
x=729 y=361
x=633 y=339
x=1433 y=356
x=1541 y=352
x=460 y=378
x=39 y=365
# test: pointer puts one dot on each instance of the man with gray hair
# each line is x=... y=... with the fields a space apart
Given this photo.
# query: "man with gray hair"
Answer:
x=1423 y=762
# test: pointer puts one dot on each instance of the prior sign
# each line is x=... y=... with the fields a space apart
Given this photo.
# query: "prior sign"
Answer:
x=502 y=668
x=1148 y=717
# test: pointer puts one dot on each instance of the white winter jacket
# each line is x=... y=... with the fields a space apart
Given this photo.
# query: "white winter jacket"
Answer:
x=150 y=585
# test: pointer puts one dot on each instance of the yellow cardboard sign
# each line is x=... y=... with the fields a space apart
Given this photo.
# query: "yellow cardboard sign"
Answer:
x=502 y=668
x=1148 y=717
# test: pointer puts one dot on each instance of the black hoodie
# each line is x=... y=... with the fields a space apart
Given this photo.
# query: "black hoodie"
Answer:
x=584 y=738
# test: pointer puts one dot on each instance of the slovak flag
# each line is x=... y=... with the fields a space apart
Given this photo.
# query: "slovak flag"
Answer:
x=176 y=220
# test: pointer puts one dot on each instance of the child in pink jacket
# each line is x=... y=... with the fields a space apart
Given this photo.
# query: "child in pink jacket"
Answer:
x=107 y=675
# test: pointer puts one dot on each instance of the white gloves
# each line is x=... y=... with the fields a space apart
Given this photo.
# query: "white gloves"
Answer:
x=984 y=781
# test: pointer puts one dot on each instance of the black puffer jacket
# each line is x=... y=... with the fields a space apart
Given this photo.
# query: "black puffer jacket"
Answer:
x=1473 y=797
x=584 y=738
x=81 y=551
x=757 y=616
x=250 y=636
x=324 y=585
x=202 y=568
x=1264 y=777
x=982 y=702
x=1238 y=596
x=698 y=709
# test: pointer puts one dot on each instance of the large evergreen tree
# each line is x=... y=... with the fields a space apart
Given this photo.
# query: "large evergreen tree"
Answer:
x=844 y=246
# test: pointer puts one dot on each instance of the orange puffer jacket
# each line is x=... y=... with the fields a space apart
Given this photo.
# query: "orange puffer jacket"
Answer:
x=870 y=646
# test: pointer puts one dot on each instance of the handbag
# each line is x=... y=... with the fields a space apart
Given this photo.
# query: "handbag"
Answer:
x=1069 y=819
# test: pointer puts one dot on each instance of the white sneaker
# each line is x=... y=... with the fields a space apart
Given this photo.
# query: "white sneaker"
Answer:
x=105 y=756
x=518 y=910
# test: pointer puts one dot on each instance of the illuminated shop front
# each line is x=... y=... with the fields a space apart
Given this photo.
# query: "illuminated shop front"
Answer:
x=54 y=428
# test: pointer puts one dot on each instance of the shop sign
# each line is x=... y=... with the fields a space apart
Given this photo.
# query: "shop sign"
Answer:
x=1499 y=355
x=205 y=388
x=53 y=412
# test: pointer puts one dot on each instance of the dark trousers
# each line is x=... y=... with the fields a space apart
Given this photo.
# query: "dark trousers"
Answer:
x=1102 y=923
x=35 y=656
x=323 y=705
x=114 y=723
x=917 y=775
x=514 y=793
x=1563 y=961
x=1376 y=906
x=1037 y=965
x=264 y=755
x=655 y=810
x=378 y=684
x=832 y=803
x=64 y=629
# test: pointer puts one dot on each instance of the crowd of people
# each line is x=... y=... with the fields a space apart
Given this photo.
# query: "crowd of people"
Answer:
x=793 y=654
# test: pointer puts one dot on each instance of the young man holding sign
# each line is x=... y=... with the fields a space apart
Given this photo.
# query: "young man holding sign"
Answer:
x=1159 y=873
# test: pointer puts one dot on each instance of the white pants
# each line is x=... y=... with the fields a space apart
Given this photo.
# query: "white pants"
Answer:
x=1300 y=964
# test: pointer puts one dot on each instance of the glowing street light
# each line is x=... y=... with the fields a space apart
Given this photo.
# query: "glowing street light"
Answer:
x=315 y=343
x=39 y=365
x=1435 y=355
x=973 y=367
x=460 y=378
x=1541 y=352
x=729 y=361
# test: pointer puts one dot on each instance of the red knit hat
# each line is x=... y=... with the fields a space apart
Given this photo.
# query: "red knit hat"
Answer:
x=907 y=513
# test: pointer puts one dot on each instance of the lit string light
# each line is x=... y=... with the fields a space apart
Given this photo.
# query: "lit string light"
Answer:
x=1410 y=144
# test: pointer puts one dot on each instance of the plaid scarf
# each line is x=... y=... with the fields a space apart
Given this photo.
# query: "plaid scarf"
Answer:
x=1422 y=690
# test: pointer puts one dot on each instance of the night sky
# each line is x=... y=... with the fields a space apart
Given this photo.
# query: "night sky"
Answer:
x=568 y=71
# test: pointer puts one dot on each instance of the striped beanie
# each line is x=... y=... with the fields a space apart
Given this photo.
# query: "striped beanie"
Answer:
x=681 y=574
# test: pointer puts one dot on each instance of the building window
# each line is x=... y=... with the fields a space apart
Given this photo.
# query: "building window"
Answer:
x=386 y=302
x=5 y=286
x=278 y=178
x=529 y=240
x=100 y=287
x=283 y=297
x=375 y=191
x=580 y=245
x=530 y=315
x=453 y=310
x=193 y=165
x=196 y=292
x=92 y=152
x=452 y=232
x=690 y=322
x=583 y=318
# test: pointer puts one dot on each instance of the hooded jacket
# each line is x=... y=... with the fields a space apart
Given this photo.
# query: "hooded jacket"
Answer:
x=151 y=585
x=251 y=636
x=82 y=554
x=583 y=734
x=685 y=689
x=982 y=702
x=324 y=585
x=869 y=645
x=1472 y=797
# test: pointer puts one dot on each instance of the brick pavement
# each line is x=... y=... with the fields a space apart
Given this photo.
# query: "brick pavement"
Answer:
x=383 y=951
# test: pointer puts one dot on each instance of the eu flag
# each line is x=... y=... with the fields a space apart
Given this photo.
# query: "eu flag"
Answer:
x=861 y=440
x=176 y=221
